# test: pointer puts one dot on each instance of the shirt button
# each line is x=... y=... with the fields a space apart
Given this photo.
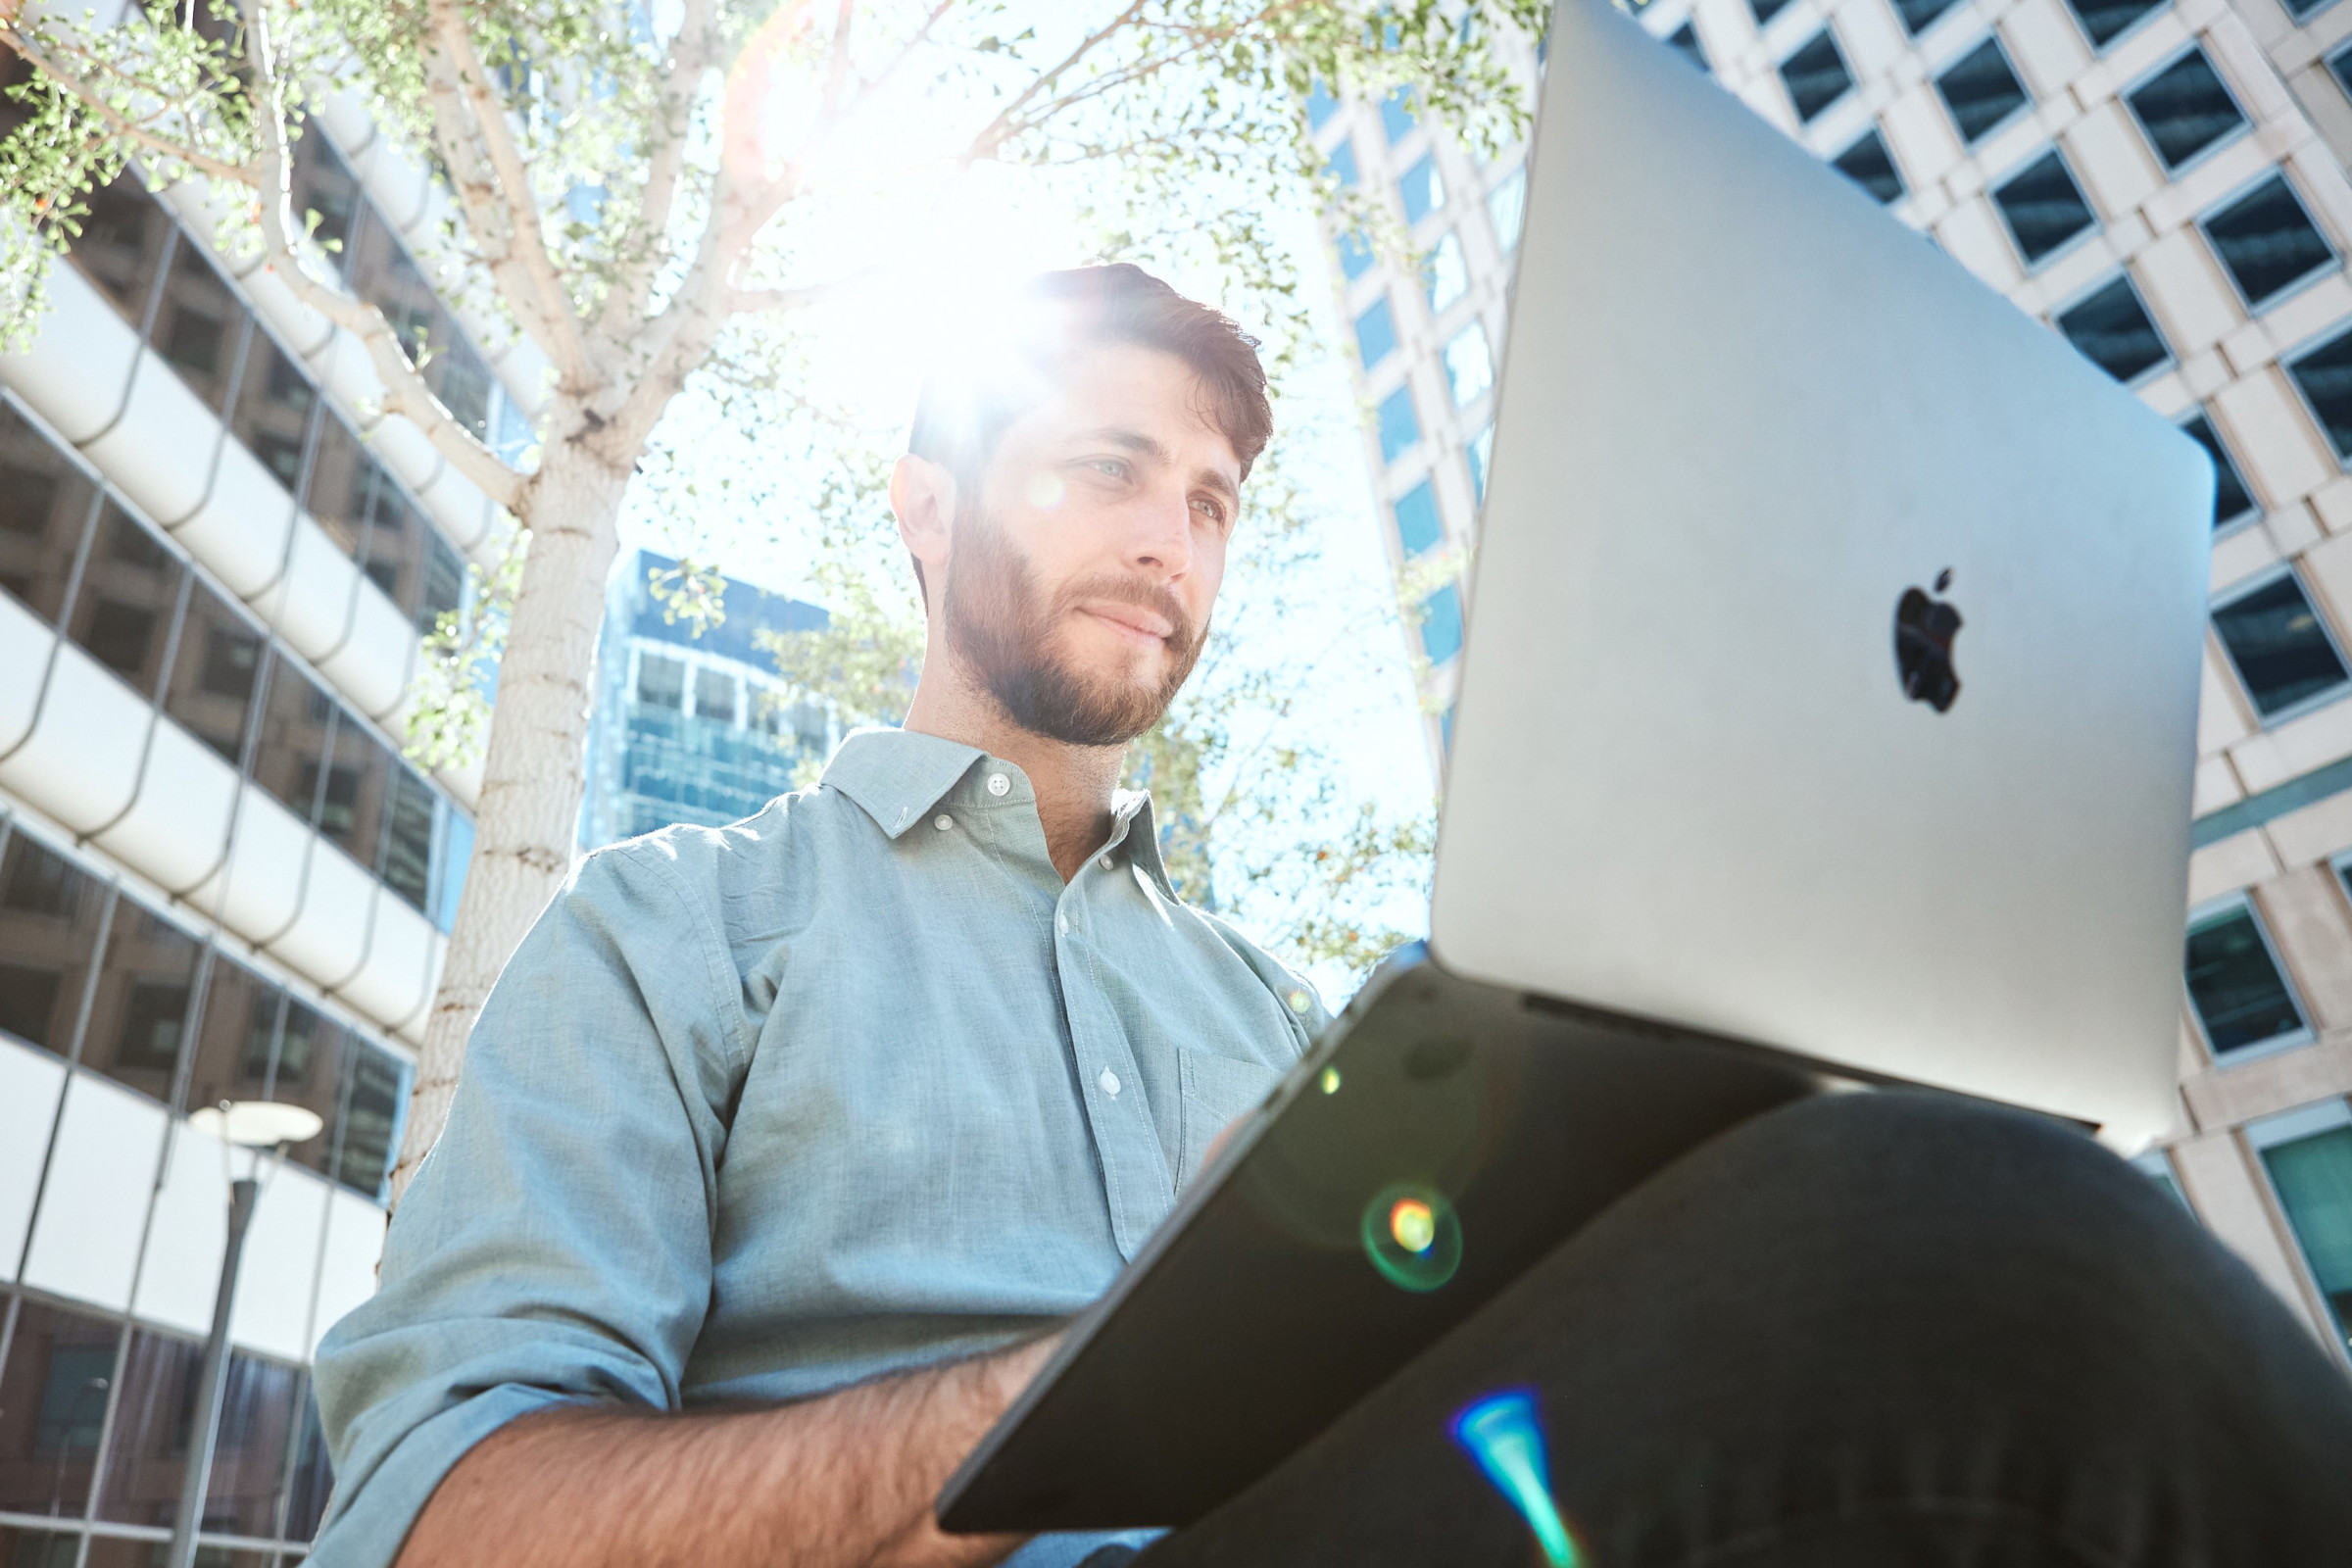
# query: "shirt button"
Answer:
x=1297 y=1002
x=1105 y=863
x=1110 y=1082
x=1061 y=923
x=998 y=783
x=943 y=821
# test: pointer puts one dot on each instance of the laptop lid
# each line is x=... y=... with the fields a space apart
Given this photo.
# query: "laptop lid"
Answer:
x=1749 y=421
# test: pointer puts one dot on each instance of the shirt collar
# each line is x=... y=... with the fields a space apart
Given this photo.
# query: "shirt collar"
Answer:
x=898 y=775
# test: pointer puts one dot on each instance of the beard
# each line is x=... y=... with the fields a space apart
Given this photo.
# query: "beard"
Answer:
x=1006 y=630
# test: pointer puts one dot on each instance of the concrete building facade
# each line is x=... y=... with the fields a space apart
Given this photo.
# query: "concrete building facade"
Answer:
x=219 y=878
x=2165 y=185
x=694 y=728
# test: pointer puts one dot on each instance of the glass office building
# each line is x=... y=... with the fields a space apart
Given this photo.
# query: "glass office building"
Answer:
x=220 y=877
x=694 y=729
x=2164 y=185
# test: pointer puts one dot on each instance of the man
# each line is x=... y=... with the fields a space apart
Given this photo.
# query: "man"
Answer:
x=834 y=1106
x=779 y=1147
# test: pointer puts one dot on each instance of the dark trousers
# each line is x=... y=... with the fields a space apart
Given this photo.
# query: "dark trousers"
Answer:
x=1882 y=1330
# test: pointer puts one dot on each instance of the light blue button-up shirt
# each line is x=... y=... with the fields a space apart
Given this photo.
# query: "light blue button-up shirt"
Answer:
x=757 y=1112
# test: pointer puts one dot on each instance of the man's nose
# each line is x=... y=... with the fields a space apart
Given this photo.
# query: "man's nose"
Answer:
x=1161 y=542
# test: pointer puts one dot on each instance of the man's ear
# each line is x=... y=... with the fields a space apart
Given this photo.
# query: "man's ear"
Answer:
x=922 y=495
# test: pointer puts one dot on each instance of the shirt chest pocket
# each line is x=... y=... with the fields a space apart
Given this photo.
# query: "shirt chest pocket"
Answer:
x=1212 y=1091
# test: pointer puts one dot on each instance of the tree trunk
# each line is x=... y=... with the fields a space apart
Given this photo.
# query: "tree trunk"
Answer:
x=533 y=774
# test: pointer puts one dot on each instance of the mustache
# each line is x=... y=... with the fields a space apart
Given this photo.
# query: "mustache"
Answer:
x=1120 y=588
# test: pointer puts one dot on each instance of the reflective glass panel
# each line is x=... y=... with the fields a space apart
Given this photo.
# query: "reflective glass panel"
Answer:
x=24 y=1546
x=2324 y=375
x=2112 y=330
x=1683 y=41
x=1355 y=255
x=296 y=717
x=1919 y=15
x=2044 y=207
x=1442 y=624
x=53 y=1393
x=406 y=863
x=715 y=695
x=233 y=1039
x=49 y=915
x=1397 y=114
x=1765 y=10
x=1506 y=206
x=2106 y=21
x=1446 y=273
x=341 y=484
x=1469 y=364
x=2313 y=1179
x=1341 y=164
x=2230 y=498
x=122 y=615
x=2234 y=983
x=660 y=681
x=152 y=1415
x=1400 y=426
x=2185 y=109
x=370 y=1112
x=1982 y=91
x=210 y=688
x=1418 y=526
x=249 y=1459
x=1320 y=105
x=2268 y=242
x=272 y=414
x=1816 y=76
x=139 y=1012
x=311 y=1051
x=1482 y=454
x=312 y=1478
x=1868 y=165
x=1376 y=333
x=199 y=326
x=1422 y=189
x=2282 y=653
x=44 y=508
x=123 y=243
x=323 y=185
x=444 y=582
x=351 y=798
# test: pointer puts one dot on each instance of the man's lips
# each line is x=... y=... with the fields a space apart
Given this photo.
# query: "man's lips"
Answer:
x=1134 y=620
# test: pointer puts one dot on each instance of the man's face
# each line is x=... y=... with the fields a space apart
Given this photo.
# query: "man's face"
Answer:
x=1082 y=577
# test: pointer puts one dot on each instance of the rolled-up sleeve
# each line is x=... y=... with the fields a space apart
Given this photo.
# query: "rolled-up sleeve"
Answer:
x=556 y=1246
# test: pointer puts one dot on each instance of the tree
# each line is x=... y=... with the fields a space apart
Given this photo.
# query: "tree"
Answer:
x=644 y=186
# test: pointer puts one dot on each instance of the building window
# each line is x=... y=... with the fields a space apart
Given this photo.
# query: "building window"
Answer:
x=2185 y=109
x=1469 y=364
x=2268 y=242
x=2230 y=498
x=1442 y=624
x=1684 y=43
x=2339 y=66
x=1765 y=10
x=214 y=674
x=660 y=681
x=122 y=245
x=1341 y=164
x=1355 y=255
x=1868 y=165
x=139 y=1007
x=1418 y=525
x=1445 y=275
x=50 y=910
x=129 y=591
x=2044 y=208
x=2105 y=21
x=2312 y=1175
x=60 y=1369
x=1506 y=207
x=2324 y=377
x=1482 y=455
x=1400 y=426
x=2284 y=657
x=199 y=326
x=1397 y=114
x=2235 y=984
x=2299 y=9
x=715 y=695
x=2112 y=330
x=1421 y=189
x=1919 y=15
x=1816 y=76
x=1982 y=91
x=45 y=506
x=1375 y=334
x=1320 y=104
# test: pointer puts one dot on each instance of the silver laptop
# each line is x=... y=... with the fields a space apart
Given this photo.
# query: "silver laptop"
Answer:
x=1745 y=420
x=1827 y=716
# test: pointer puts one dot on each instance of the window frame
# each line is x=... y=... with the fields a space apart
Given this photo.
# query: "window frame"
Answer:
x=1826 y=34
x=2308 y=280
x=2072 y=242
x=2286 y=360
x=1969 y=144
x=2263 y=1134
x=2082 y=296
x=2259 y=508
x=2245 y=588
x=1874 y=132
x=2100 y=50
x=2204 y=154
x=2302 y=1035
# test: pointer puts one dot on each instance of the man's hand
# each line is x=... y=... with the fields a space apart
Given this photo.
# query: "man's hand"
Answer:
x=843 y=1480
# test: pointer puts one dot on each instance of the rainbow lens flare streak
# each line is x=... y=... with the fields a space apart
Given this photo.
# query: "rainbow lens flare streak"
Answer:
x=1500 y=1432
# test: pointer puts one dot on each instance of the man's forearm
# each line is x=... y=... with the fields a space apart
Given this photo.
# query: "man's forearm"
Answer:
x=830 y=1483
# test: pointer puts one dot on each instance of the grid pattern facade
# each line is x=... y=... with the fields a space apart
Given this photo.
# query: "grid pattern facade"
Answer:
x=2163 y=185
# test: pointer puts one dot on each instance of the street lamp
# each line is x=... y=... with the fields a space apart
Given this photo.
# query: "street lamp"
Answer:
x=258 y=1127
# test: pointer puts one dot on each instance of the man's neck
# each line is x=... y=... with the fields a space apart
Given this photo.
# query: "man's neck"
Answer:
x=1075 y=784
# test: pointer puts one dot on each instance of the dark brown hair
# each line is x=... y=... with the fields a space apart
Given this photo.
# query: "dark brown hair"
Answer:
x=1055 y=318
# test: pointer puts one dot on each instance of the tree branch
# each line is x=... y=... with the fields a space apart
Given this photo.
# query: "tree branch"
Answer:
x=404 y=390
x=994 y=133
x=502 y=209
x=690 y=59
x=122 y=124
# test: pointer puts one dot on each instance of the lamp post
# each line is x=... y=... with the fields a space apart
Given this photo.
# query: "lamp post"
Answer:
x=255 y=1126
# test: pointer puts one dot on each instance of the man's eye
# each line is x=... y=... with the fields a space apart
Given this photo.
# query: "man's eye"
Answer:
x=1212 y=510
x=1112 y=466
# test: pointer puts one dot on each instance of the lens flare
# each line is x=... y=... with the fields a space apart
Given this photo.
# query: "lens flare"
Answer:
x=1501 y=1433
x=1331 y=1080
x=1047 y=490
x=1412 y=1236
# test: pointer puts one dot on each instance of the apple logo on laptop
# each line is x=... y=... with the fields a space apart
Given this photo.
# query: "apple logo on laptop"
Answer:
x=1924 y=629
